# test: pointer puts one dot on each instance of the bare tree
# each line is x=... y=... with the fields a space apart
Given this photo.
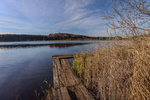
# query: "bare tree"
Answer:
x=131 y=17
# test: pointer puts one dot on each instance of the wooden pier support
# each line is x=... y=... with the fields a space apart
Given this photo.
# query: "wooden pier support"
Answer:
x=67 y=85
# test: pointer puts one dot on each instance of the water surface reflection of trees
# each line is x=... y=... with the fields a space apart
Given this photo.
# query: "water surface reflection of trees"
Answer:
x=56 y=45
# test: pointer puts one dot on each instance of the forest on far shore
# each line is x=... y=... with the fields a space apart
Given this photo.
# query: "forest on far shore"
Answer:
x=56 y=36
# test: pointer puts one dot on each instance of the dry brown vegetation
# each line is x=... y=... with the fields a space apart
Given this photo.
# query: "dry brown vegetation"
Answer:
x=120 y=71
x=117 y=72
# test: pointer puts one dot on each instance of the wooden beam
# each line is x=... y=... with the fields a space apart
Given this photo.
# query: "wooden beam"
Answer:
x=65 y=94
x=87 y=94
x=64 y=55
x=62 y=79
x=79 y=94
x=57 y=95
x=67 y=72
x=70 y=68
x=55 y=75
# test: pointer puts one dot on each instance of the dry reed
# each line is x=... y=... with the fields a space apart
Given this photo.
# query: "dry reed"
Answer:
x=118 y=71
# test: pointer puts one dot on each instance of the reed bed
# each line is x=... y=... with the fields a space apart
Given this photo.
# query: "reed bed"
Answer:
x=116 y=71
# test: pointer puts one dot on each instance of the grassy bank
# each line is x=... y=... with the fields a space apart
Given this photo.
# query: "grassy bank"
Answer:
x=116 y=71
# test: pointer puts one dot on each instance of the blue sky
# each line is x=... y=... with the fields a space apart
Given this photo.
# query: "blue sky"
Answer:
x=82 y=17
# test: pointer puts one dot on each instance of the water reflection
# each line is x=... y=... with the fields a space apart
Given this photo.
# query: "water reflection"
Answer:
x=23 y=70
x=56 y=45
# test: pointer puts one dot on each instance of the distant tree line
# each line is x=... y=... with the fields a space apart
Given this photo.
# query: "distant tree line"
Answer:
x=55 y=45
x=56 y=36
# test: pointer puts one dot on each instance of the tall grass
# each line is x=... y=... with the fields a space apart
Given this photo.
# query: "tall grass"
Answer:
x=46 y=94
x=118 y=71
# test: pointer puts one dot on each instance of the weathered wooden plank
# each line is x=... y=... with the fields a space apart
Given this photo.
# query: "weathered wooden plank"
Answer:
x=62 y=77
x=61 y=83
x=55 y=75
x=68 y=73
x=65 y=94
x=87 y=95
x=62 y=80
x=56 y=95
x=73 y=74
x=64 y=55
x=79 y=94
x=59 y=94
x=79 y=83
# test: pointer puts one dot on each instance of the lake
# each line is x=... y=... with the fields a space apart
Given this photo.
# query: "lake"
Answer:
x=25 y=65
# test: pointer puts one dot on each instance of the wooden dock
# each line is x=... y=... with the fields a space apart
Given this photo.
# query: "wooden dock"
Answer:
x=67 y=85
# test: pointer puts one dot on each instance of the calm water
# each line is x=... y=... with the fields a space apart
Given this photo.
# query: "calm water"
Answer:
x=25 y=65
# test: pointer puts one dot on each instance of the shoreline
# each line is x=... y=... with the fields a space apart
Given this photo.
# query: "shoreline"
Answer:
x=62 y=40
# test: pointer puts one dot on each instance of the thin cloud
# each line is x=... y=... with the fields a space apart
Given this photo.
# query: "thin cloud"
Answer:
x=51 y=16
